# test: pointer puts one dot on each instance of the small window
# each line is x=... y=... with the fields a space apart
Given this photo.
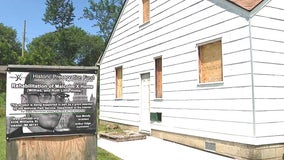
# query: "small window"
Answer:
x=118 y=82
x=146 y=10
x=158 y=76
x=210 y=62
x=156 y=117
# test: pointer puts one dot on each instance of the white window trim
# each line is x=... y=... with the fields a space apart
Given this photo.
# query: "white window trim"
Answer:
x=209 y=84
x=157 y=57
x=141 y=23
x=116 y=84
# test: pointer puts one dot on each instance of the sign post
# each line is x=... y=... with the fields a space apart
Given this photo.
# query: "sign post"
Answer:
x=51 y=112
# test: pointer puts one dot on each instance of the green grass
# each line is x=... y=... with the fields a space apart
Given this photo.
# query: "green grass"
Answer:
x=2 y=138
x=102 y=154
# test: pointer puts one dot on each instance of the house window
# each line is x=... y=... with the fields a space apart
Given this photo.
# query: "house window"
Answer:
x=146 y=10
x=210 y=62
x=118 y=82
x=158 y=76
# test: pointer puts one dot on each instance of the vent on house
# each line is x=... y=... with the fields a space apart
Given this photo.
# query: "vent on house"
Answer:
x=155 y=117
x=210 y=146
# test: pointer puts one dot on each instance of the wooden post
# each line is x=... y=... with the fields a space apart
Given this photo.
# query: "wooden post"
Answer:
x=24 y=39
x=52 y=148
x=3 y=70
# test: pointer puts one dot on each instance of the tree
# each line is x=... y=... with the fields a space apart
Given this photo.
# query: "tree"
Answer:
x=41 y=51
x=59 y=13
x=91 y=51
x=105 y=14
x=82 y=48
x=10 y=48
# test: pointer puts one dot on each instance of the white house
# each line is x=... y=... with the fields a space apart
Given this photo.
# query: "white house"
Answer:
x=205 y=73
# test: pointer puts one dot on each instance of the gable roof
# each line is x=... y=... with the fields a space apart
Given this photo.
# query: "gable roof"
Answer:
x=247 y=4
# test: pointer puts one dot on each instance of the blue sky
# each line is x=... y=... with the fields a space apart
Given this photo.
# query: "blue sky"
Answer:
x=14 y=12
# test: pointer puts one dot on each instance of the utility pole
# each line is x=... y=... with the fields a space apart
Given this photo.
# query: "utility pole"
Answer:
x=24 y=39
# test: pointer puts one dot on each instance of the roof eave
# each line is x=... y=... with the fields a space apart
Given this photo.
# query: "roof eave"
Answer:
x=98 y=63
x=248 y=5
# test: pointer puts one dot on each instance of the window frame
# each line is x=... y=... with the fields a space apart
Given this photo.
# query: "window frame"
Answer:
x=118 y=84
x=158 y=77
x=221 y=81
x=142 y=13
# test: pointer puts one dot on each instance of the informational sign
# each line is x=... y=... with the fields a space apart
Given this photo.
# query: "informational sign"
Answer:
x=44 y=103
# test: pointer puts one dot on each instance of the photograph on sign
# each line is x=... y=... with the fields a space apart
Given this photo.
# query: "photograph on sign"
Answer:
x=50 y=103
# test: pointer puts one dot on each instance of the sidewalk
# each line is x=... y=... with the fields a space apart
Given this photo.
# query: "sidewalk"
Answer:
x=153 y=148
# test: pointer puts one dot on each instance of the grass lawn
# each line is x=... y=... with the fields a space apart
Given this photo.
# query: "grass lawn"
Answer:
x=2 y=138
x=102 y=154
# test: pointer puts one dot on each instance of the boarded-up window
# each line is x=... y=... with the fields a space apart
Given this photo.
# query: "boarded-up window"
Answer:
x=210 y=62
x=158 y=76
x=146 y=10
x=118 y=82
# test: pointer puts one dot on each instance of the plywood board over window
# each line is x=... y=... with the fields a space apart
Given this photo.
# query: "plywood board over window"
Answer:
x=158 y=76
x=146 y=10
x=210 y=62
x=118 y=82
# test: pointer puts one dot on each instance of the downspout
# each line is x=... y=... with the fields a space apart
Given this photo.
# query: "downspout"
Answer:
x=252 y=78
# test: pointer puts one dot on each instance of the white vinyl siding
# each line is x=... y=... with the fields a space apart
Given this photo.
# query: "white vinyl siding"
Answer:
x=176 y=28
x=268 y=55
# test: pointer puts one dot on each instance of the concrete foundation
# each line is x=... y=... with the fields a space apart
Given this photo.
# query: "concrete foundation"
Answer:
x=231 y=149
